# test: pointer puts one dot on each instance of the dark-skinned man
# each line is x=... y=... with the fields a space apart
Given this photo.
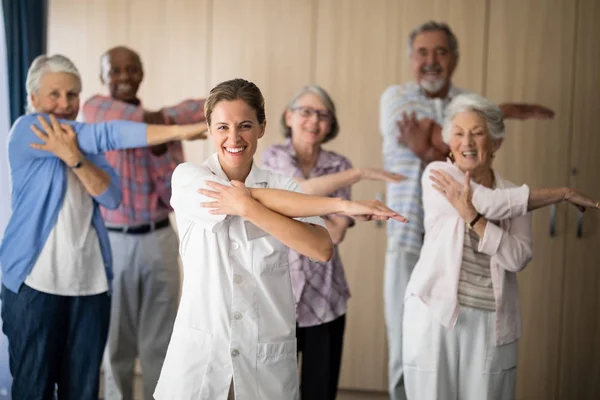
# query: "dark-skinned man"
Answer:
x=144 y=245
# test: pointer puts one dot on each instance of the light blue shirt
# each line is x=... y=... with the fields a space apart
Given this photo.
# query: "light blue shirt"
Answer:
x=39 y=184
x=405 y=197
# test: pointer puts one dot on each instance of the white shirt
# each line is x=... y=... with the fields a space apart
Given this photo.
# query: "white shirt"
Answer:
x=71 y=263
x=236 y=317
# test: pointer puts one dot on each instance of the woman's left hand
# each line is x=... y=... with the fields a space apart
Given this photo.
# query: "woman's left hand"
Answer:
x=230 y=200
x=460 y=196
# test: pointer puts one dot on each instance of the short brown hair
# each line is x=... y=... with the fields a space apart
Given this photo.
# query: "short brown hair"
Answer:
x=286 y=131
x=236 y=89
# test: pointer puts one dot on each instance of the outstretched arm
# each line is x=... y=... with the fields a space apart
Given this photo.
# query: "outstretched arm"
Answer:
x=327 y=184
x=298 y=205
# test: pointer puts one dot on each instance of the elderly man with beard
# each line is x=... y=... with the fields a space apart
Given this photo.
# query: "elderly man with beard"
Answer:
x=144 y=245
x=411 y=115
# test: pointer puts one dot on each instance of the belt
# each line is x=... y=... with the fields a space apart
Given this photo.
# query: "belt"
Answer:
x=140 y=229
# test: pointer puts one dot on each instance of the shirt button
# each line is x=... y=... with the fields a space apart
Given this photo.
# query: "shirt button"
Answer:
x=235 y=353
x=235 y=245
x=237 y=315
x=237 y=278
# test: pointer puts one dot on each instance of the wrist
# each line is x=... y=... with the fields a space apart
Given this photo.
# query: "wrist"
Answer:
x=248 y=207
x=565 y=193
x=341 y=205
x=73 y=160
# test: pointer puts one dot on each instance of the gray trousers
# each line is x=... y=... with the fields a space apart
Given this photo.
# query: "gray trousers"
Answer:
x=399 y=264
x=144 y=305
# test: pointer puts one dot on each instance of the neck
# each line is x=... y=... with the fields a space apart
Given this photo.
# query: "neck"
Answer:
x=483 y=176
x=307 y=153
x=135 y=101
x=237 y=174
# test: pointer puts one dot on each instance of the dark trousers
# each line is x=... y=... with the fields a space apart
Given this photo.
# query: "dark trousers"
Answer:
x=54 y=341
x=321 y=348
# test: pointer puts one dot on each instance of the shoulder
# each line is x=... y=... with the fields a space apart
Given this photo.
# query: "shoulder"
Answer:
x=277 y=149
x=188 y=171
x=278 y=181
x=96 y=99
x=334 y=159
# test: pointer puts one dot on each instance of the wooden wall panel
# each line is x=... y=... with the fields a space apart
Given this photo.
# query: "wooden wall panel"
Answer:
x=580 y=355
x=173 y=40
x=530 y=59
x=270 y=45
x=356 y=41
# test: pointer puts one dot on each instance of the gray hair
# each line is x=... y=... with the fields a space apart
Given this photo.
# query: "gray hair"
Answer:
x=432 y=26
x=472 y=102
x=41 y=65
x=319 y=91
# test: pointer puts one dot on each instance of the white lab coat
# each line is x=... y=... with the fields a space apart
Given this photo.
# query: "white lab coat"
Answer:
x=236 y=317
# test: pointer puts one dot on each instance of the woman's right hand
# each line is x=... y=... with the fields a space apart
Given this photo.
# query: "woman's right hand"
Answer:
x=580 y=200
x=368 y=210
x=377 y=174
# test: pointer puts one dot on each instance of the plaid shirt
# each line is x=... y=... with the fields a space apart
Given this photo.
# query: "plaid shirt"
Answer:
x=320 y=289
x=145 y=177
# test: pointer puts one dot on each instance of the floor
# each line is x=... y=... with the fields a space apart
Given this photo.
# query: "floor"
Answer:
x=342 y=394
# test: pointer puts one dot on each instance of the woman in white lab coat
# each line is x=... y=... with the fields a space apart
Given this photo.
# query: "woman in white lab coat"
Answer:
x=234 y=335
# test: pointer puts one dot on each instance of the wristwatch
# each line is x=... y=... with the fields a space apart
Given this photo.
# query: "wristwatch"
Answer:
x=471 y=224
x=78 y=164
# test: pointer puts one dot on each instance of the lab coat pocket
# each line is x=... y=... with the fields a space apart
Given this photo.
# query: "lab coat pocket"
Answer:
x=277 y=370
x=185 y=365
x=268 y=253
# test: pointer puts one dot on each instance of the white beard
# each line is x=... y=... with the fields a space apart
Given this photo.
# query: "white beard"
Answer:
x=432 y=86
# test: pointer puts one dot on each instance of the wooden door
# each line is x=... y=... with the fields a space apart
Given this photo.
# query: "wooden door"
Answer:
x=580 y=355
x=530 y=60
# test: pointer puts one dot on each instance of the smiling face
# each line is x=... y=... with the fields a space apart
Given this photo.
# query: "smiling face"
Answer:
x=58 y=94
x=122 y=73
x=235 y=130
x=471 y=144
x=432 y=62
x=309 y=120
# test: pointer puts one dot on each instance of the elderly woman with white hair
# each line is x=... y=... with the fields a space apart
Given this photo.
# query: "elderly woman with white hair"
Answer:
x=461 y=315
x=55 y=255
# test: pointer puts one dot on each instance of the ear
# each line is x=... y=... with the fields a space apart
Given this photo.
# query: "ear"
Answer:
x=496 y=143
x=263 y=127
x=288 y=117
x=34 y=100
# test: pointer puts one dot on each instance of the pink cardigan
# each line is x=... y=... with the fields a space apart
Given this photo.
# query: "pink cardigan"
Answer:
x=435 y=277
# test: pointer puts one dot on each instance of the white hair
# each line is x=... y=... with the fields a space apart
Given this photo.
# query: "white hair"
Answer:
x=41 y=65
x=472 y=102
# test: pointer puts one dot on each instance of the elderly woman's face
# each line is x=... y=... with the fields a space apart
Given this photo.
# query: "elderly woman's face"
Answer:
x=470 y=142
x=309 y=119
x=58 y=95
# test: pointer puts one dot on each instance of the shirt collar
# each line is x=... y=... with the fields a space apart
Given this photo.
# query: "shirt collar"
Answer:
x=256 y=178
x=323 y=161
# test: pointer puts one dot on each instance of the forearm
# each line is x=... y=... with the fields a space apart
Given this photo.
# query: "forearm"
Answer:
x=296 y=205
x=327 y=184
x=160 y=134
x=309 y=240
x=94 y=179
x=539 y=198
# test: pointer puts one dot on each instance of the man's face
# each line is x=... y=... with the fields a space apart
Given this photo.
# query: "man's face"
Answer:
x=58 y=94
x=122 y=74
x=431 y=61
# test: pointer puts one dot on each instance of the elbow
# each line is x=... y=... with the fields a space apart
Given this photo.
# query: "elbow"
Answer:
x=113 y=198
x=325 y=251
